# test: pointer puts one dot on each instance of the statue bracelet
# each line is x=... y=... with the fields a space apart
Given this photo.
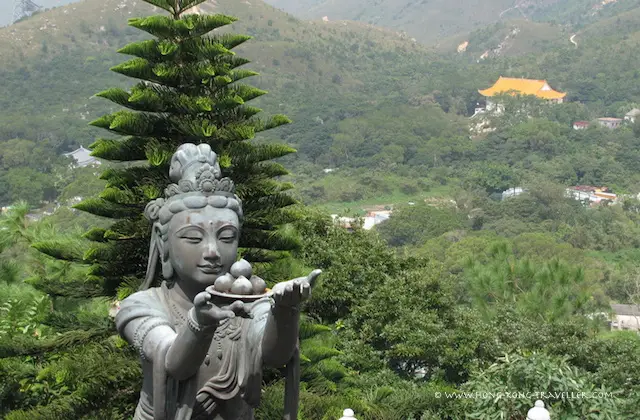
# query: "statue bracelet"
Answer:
x=292 y=309
x=196 y=327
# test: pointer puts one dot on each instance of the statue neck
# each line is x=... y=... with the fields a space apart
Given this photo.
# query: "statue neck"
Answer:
x=181 y=296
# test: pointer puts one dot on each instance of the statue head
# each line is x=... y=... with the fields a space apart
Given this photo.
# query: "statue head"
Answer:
x=196 y=226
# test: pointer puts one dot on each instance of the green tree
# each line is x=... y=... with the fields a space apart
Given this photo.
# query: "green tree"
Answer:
x=416 y=224
x=551 y=290
x=189 y=92
x=492 y=177
x=412 y=320
x=28 y=184
x=521 y=374
x=352 y=264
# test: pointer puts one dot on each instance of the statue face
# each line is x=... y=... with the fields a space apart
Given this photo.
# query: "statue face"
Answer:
x=203 y=245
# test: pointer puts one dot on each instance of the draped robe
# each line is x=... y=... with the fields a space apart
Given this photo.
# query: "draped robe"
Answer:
x=226 y=385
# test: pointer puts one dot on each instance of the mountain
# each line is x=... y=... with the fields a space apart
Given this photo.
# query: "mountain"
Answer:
x=432 y=21
x=7 y=7
x=426 y=20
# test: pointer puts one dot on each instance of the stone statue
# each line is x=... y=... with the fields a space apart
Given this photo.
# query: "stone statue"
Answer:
x=205 y=334
x=538 y=412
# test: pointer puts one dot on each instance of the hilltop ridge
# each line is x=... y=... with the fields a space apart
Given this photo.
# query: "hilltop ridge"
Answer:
x=434 y=21
x=6 y=8
x=101 y=23
x=54 y=62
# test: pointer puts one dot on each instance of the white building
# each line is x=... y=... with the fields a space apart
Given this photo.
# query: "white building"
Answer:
x=610 y=122
x=512 y=192
x=631 y=115
x=368 y=222
x=625 y=317
x=83 y=157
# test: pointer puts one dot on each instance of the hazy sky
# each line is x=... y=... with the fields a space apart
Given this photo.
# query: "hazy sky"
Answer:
x=6 y=8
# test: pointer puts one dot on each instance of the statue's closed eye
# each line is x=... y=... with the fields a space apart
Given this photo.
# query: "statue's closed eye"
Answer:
x=193 y=239
x=227 y=236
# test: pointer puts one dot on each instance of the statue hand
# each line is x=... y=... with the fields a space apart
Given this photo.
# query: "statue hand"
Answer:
x=291 y=293
x=208 y=314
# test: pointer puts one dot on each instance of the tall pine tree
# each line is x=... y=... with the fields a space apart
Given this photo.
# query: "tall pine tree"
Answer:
x=189 y=90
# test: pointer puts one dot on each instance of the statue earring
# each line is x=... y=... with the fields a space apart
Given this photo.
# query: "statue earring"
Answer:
x=167 y=270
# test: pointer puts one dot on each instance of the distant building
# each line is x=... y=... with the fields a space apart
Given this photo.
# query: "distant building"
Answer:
x=631 y=115
x=515 y=86
x=512 y=192
x=580 y=125
x=592 y=195
x=82 y=157
x=610 y=122
x=478 y=109
x=376 y=217
x=479 y=122
x=625 y=317
x=367 y=222
x=463 y=47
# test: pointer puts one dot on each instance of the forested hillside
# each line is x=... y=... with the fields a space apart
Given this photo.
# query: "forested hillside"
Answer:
x=54 y=62
x=340 y=82
x=458 y=291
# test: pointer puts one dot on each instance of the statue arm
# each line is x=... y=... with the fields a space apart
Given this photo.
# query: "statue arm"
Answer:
x=188 y=349
x=280 y=335
x=149 y=331
x=282 y=328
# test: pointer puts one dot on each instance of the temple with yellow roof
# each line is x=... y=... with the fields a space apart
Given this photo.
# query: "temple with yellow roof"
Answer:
x=514 y=86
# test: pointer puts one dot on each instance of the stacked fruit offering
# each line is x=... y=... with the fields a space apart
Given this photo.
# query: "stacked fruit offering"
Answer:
x=240 y=281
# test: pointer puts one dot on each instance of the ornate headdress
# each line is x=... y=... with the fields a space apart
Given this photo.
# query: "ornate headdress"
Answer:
x=197 y=183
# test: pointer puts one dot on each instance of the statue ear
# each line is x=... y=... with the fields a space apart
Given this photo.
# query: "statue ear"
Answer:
x=156 y=251
x=167 y=270
x=163 y=251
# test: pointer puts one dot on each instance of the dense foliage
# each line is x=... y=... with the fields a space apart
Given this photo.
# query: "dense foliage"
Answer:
x=460 y=291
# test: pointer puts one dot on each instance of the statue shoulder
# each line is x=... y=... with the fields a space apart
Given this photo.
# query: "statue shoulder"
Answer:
x=261 y=308
x=144 y=298
x=142 y=304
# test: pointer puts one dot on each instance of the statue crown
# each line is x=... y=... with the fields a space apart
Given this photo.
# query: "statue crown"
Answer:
x=195 y=168
x=197 y=182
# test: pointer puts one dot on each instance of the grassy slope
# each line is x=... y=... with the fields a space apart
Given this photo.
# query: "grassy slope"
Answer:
x=444 y=22
x=531 y=37
x=428 y=20
x=98 y=20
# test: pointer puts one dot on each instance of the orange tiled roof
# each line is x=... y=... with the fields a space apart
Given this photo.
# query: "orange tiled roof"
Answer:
x=539 y=88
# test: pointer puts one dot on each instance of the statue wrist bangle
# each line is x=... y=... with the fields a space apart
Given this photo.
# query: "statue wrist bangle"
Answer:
x=293 y=309
x=195 y=326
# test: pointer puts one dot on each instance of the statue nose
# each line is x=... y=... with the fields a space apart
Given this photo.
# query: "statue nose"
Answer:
x=211 y=251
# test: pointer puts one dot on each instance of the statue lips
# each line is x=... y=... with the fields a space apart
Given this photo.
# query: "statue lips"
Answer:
x=211 y=268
